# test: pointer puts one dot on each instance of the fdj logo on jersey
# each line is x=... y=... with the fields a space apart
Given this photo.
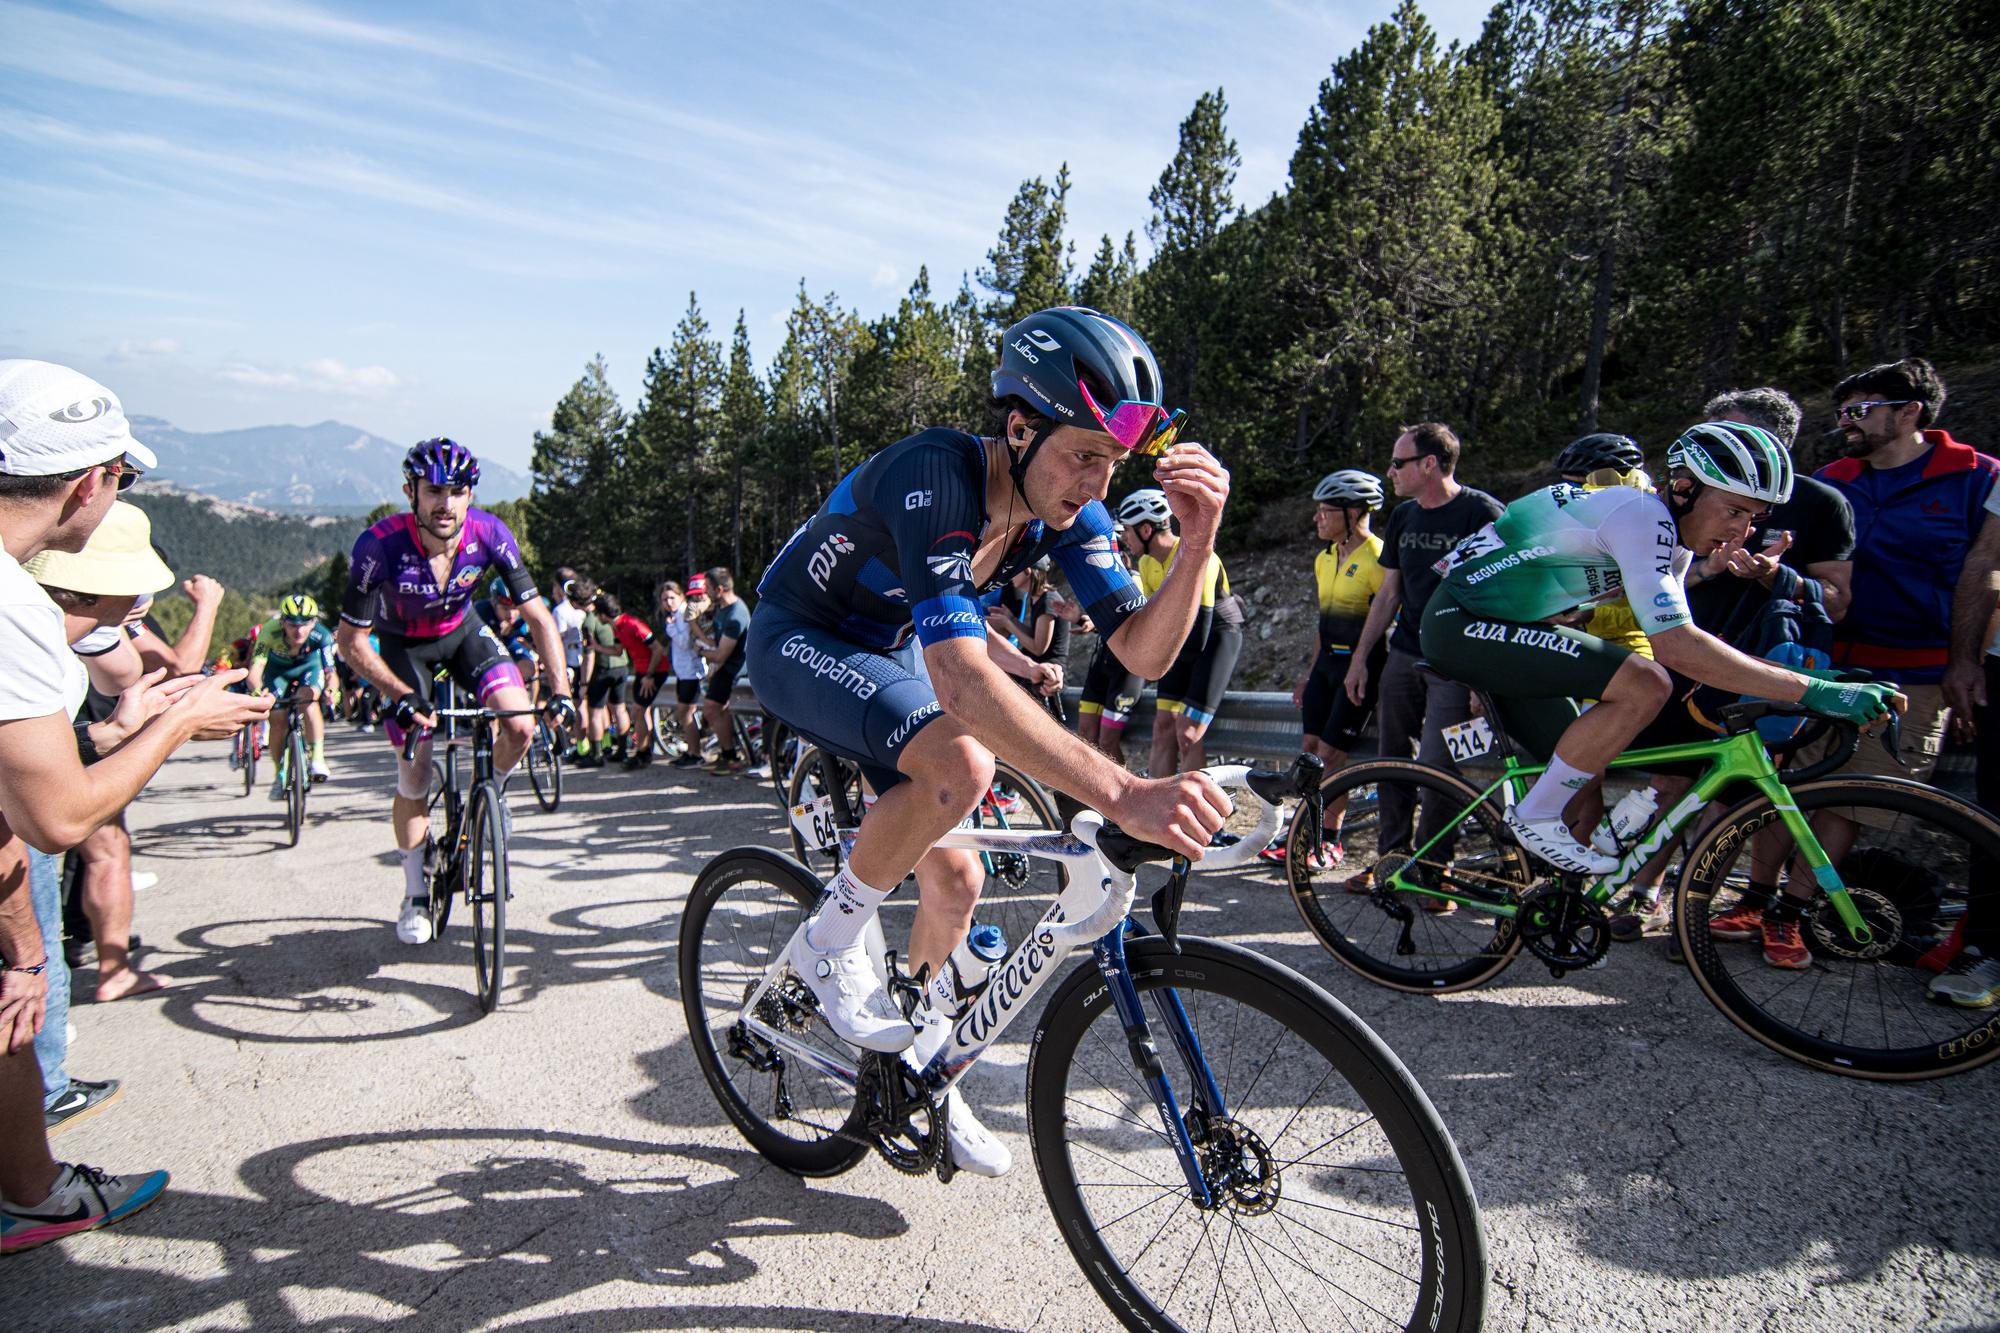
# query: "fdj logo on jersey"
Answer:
x=820 y=566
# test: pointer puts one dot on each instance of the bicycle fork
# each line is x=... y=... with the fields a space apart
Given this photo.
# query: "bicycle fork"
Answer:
x=1111 y=961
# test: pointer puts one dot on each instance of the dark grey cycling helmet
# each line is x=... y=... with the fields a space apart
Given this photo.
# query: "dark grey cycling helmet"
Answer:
x=1581 y=457
x=1079 y=367
x=1350 y=488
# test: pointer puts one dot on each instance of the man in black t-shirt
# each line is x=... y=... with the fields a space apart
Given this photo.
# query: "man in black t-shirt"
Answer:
x=1412 y=711
x=1811 y=533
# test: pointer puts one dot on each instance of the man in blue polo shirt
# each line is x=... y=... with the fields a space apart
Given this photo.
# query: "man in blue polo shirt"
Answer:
x=1920 y=499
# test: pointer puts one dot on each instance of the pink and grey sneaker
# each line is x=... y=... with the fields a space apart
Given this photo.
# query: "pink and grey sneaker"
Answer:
x=84 y=1199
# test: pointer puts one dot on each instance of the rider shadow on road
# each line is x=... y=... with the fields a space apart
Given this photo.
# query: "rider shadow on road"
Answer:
x=459 y=1228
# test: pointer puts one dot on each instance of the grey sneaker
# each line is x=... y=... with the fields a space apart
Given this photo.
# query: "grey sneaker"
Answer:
x=83 y=1099
x=1971 y=982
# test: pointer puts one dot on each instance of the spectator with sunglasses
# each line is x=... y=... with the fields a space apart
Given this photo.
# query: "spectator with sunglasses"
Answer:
x=1925 y=507
x=1920 y=499
x=65 y=452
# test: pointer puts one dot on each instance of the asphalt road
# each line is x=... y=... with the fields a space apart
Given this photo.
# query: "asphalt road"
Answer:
x=354 y=1145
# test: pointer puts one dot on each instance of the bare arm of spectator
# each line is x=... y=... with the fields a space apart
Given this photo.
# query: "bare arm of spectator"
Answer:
x=117 y=670
x=52 y=800
x=1836 y=585
x=1388 y=601
x=22 y=997
x=718 y=651
x=1971 y=611
x=186 y=654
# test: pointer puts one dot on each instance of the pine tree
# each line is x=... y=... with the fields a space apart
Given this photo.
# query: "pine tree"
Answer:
x=673 y=440
x=1029 y=268
x=1192 y=203
x=741 y=432
x=575 y=466
x=1112 y=282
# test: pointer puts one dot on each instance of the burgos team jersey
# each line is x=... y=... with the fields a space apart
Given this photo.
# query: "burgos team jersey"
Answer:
x=891 y=551
x=389 y=576
x=1561 y=549
x=1152 y=573
x=1346 y=588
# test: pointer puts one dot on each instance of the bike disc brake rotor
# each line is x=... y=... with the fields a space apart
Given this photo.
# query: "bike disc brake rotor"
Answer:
x=1238 y=1166
x=1829 y=933
x=1011 y=870
x=1563 y=928
x=904 y=1125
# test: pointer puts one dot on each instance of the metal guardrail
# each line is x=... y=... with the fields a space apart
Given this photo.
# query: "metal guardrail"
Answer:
x=1249 y=725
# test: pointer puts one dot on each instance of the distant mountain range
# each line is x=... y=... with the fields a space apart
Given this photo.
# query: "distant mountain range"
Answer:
x=328 y=468
x=244 y=546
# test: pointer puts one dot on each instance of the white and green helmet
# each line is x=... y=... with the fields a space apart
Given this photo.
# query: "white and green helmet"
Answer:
x=1730 y=456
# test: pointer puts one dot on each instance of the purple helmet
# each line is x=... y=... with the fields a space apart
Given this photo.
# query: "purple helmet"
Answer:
x=441 y=462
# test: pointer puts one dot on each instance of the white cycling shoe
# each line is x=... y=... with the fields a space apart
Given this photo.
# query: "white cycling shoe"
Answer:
x=851 y=996
x=414 y=925
x=973 y=1147
x=316 y=770
x=1550 y=840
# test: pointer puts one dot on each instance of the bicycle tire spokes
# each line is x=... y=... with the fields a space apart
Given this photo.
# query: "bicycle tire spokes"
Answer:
x=1859 y=1005
x=794 y=1098
x=1310 y=1218
x=1456 y=934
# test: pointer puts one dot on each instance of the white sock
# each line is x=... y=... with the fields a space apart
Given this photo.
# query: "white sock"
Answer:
x=845 y=913
x=1551 y=792
x=413 y=872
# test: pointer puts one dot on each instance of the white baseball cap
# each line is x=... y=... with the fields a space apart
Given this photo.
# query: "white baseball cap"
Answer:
x=55 y=420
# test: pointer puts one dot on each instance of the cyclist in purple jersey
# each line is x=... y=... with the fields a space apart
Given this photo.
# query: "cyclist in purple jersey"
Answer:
x=391 y=571
x=411 y=580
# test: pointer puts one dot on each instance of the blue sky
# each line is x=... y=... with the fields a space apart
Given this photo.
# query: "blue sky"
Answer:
x=425 y=219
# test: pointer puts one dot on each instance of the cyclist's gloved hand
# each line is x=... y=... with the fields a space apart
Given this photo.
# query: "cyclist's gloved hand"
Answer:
x=404 y=713
x=1850 y=701
x=562 y=712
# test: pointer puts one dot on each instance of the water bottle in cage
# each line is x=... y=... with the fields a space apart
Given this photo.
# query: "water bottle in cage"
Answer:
x=967 y=969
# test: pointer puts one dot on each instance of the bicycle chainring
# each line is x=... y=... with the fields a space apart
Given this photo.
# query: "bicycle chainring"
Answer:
x=1563 y=928
x=1829 y=933
x=905 y=1124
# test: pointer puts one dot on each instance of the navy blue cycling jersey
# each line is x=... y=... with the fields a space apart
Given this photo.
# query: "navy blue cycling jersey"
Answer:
x=892 y=547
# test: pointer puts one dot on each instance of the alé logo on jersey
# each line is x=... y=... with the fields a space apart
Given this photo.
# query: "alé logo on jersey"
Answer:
x=819 y=567
x=917 y=500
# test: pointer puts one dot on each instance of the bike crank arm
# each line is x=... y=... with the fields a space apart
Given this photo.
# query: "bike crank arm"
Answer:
x=1110 y=951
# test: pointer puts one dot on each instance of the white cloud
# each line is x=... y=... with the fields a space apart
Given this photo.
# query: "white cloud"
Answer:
x=324 y=374
x=131 y=349
x=885 y=277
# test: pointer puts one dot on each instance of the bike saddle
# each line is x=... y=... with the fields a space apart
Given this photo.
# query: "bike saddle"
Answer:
x=1127 y=852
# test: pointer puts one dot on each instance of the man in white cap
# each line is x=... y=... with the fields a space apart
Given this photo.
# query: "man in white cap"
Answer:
x=96 y=589
x=65 y=452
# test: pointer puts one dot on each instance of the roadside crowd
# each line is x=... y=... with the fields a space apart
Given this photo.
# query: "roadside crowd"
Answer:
x=1884 y=561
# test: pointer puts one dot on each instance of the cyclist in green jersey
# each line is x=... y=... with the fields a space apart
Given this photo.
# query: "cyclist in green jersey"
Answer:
x=1504 y=618
x=290 y=655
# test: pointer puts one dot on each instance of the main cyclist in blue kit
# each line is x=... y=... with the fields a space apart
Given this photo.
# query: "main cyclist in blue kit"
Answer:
x=869 y=639
x=412 y=580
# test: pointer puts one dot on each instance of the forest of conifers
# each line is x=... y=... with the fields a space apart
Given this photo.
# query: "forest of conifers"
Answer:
x=1591 y=217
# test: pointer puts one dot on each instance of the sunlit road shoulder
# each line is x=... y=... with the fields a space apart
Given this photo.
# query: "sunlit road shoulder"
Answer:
x=353 y=1143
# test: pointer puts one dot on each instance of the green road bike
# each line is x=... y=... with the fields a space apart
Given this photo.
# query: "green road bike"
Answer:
x=1453 y=913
